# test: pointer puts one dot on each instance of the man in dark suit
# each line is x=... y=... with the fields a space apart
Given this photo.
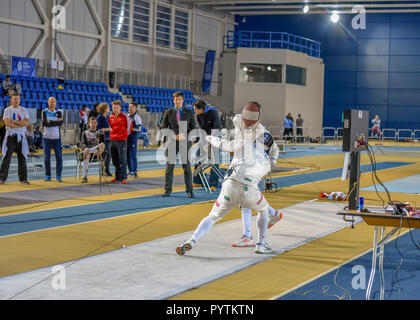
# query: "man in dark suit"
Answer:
x=180 y=121
x=208 y=119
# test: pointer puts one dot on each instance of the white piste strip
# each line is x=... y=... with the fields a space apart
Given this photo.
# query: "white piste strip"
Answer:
x=153 y=270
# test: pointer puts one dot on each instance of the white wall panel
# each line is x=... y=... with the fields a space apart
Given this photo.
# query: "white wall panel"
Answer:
x=129 y=57
x=79 y=18
x=5 y=9
x=5 y=37
x=18 y=40
x=207 y=33
x=77 y=49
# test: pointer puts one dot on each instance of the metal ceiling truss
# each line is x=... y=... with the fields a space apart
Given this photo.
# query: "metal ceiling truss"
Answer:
x=45 y=27
x=101 y=36
x=275 y=7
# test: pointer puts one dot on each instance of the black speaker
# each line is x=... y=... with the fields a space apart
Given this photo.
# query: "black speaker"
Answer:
x=355 y=127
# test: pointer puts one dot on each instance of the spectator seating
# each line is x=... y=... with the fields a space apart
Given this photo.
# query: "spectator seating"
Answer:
x=36 y=91
x=156 y=99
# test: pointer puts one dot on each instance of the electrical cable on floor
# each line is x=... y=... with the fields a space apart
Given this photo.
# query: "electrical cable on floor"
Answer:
x=98 y=249
x=324 y=290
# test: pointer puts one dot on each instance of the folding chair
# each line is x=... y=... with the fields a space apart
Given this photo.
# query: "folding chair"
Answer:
x=35 y=162
x=95 y=158
x=200 y=171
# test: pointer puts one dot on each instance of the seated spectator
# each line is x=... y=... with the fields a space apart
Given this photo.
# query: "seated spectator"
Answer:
x=143 y=134
x=376 y=128
x=8 y=87
x=30 y=138
x=93 y=144
x=38 y=138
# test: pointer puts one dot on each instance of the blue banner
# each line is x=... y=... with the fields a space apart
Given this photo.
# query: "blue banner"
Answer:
x=25 y=67
x=208 y=70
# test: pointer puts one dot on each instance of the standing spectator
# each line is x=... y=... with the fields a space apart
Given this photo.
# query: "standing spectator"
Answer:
x=94 y=113
x=208 y=119
x=52 y=120
x=104 y=126
x=2 y=130
x=83 y=121
x=132 y=144
x=159 y=126
x=172 y=120
x=376 y=127
x=8 y=87
x=288 y=127
x=38 y=138
x=299 y=128
x=121 y=126
x=16 y=119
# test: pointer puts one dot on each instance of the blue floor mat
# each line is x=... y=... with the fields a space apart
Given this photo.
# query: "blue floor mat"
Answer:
x=350 y=280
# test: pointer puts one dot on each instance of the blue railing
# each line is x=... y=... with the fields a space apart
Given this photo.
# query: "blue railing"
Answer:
x=271 y=40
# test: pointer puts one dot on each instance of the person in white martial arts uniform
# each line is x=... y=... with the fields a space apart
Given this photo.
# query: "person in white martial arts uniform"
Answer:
x=272 y=151
x=248 y=166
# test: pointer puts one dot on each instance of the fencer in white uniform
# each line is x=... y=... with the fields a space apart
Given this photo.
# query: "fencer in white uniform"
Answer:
x=272 y=152
x=240 y=188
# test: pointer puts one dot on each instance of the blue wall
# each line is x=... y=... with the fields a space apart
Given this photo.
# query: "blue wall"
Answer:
x=376 y=69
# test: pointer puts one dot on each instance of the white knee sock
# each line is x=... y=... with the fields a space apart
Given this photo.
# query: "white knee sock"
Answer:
x=271 y=211
x=262 y=222
x=204 y=226
x=246 y=220
x=85 y=167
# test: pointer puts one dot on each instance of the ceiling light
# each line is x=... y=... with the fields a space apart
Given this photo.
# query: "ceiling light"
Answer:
x=245 y=69
x=335 y=17
x=306 y=9
x=269 y=68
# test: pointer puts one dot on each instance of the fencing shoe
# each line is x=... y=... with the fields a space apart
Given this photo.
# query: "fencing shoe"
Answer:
x=187 y=246
x=274 y=219
x=263 y=249
x=244 y=242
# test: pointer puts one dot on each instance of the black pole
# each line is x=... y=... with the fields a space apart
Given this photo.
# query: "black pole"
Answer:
x=354 y=180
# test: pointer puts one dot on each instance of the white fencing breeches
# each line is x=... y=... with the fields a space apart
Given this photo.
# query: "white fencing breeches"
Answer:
x=233 y=194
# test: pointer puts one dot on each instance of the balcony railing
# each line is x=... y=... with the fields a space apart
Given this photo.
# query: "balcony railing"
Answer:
x=271 y=40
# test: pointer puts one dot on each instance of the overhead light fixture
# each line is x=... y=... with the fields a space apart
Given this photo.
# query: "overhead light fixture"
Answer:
x=269 y=68
x=335 y=17
x=306 y=9
x=245 y=69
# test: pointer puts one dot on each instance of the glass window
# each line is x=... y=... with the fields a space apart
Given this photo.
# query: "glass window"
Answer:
x=253 y=72
x=163 y=26
x=296 y=75
x=181 y=30
x=120 y=21
x=141 y=21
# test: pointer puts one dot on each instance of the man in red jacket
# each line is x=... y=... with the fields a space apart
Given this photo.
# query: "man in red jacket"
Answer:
x=121 y=127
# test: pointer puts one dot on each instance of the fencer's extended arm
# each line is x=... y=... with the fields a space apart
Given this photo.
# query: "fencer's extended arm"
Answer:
x=223 y=144
x=274 y=154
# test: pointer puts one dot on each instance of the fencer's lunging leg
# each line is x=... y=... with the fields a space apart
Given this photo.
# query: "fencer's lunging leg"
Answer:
x=262 y=222
x=204 y=226
x=246 y=220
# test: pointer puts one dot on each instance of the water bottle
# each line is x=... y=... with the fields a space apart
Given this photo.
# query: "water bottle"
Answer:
x=361 y=203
